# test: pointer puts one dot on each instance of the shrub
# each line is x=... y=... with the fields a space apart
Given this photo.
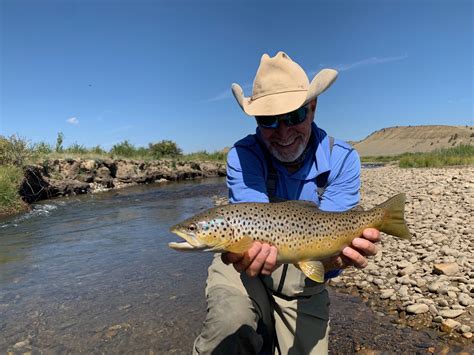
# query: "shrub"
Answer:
x=59 y=142
x=164 y=149
x=76 y=148
x=14 y=150
x=123 y=149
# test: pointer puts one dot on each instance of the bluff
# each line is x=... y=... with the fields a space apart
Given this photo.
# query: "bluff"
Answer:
x=413 y=139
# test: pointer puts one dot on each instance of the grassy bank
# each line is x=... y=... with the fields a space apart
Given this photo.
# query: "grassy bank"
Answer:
x=10 y=179
x=459 y=155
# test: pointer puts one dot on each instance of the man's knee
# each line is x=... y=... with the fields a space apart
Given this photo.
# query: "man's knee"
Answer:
x=230 y=325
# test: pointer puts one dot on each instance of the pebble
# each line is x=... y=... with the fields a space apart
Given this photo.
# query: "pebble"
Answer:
x=434 y=271
x=450 y=313
x=418 y=308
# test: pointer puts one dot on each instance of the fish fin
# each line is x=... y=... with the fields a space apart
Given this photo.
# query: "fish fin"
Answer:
x=312 y=269
x=240 y=246
x=357 y=208
x=393 y=222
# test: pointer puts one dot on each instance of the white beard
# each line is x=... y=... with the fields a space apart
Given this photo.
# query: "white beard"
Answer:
x=287 y=157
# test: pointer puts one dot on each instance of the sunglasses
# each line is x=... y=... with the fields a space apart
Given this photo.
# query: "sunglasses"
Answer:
x=292 y=118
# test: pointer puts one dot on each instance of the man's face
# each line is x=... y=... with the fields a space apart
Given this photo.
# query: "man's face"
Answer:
x=287 y=143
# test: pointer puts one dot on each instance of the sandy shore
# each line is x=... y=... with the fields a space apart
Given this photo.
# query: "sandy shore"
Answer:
x=427 y=281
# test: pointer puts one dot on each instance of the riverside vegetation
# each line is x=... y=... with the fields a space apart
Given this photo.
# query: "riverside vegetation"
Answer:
x=17 y=153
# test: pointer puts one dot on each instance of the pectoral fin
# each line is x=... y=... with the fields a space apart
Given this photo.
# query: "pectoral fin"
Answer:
x=240 y=246
x=313 y=270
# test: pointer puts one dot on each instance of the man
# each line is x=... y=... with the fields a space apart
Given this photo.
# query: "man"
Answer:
x=254 y=305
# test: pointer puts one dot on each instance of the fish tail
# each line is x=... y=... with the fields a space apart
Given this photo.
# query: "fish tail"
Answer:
x=393 y=222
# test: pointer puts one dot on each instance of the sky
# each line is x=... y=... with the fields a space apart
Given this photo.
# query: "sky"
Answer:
x=105 y=71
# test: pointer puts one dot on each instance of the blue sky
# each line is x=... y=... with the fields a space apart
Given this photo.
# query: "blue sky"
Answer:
x=104 y=71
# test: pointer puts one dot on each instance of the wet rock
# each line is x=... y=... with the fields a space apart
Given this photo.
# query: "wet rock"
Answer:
x=418 y=308
x=450 y=313
x=449 y=325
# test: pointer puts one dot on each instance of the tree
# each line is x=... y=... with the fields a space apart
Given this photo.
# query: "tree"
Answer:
x=59 y=142
x=165 y=149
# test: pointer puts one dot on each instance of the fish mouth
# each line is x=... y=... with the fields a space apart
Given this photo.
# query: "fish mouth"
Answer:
x=191 y=242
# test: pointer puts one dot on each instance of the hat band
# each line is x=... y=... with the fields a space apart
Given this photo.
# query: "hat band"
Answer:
x=255 y=97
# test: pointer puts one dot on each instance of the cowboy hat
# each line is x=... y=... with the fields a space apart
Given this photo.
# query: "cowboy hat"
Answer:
x=281 y=86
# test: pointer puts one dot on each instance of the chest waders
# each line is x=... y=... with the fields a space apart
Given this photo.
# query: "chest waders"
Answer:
x=271 y=185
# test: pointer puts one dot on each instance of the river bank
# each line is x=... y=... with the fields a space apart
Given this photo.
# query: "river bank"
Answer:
x=428 y=281
x=66 y=177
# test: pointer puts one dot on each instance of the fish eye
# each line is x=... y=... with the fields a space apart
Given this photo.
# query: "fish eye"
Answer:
x=192 y=227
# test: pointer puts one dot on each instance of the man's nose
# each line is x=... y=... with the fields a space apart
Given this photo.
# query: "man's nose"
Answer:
x=282 y=130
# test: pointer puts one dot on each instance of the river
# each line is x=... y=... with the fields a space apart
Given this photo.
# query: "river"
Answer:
x=93 y=274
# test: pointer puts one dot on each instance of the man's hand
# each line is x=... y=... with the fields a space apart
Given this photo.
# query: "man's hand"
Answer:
x=355 y=254
x=261 y=258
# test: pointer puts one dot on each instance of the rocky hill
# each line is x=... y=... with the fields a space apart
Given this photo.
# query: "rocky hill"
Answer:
x=413 y=139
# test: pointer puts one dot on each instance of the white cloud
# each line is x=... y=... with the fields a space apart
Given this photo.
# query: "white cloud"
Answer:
x=363 y=63
x=227 y=94
x=73 y=121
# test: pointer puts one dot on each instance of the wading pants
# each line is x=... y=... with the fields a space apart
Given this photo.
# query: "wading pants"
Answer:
x=243 y=317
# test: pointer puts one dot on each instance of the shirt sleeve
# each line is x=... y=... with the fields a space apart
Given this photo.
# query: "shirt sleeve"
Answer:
x=342 y=192
x=245 y=176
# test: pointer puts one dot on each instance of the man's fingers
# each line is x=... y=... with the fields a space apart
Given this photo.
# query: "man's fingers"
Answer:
x=371 y=234
x=257 y=263
x=355 y=257
x=231 y=258
x=248 y=258
x=271 y=261
x=364 y=246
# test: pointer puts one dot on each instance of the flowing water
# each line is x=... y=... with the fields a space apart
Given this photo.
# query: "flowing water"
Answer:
x=93 y=274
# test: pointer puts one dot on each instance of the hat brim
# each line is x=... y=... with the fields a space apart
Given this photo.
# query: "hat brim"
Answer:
x=280 y=103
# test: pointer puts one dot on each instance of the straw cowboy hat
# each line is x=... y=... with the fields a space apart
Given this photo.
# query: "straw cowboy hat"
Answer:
x=281 y=86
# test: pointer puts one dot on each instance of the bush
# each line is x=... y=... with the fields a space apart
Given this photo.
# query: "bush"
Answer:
x=59 y=142
x=165 y=149
x=42 y=148
x=97 y=150
x=76 y=148
x=124 y=149
x=204 y=155
x=14 y=151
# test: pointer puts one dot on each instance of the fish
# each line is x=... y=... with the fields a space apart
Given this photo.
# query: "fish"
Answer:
x=303 y=234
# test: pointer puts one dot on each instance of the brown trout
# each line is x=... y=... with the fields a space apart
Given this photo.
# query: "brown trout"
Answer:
x=303 y=234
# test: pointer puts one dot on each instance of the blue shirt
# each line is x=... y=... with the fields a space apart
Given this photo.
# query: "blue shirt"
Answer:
x=247 y=172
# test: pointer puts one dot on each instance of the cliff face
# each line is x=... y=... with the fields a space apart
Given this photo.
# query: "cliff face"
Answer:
x=62 y=177
x=413 y=139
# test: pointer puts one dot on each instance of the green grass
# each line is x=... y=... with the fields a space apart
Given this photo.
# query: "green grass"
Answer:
x=204 y=155
x=10 y=180
x=460 y=155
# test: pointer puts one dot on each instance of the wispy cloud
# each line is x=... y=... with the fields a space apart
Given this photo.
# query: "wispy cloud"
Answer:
x=227 y=94
x=73 y=121
x=362 y=63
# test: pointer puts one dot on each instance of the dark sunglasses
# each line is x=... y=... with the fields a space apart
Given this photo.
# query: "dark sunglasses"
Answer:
x=292 y=118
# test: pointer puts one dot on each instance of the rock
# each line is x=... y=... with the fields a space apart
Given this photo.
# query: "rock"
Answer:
x=467 y=335
x=418 y=308
x=410 y=269
x=449 y=325
x=387 y=293
x=450 y=313
x=465 y=299
x=403 y=291
x=465 y=328
x=448 y=269
x=22 y=344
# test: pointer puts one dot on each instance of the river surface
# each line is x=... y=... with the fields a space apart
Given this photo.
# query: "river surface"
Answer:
x=94 y=274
